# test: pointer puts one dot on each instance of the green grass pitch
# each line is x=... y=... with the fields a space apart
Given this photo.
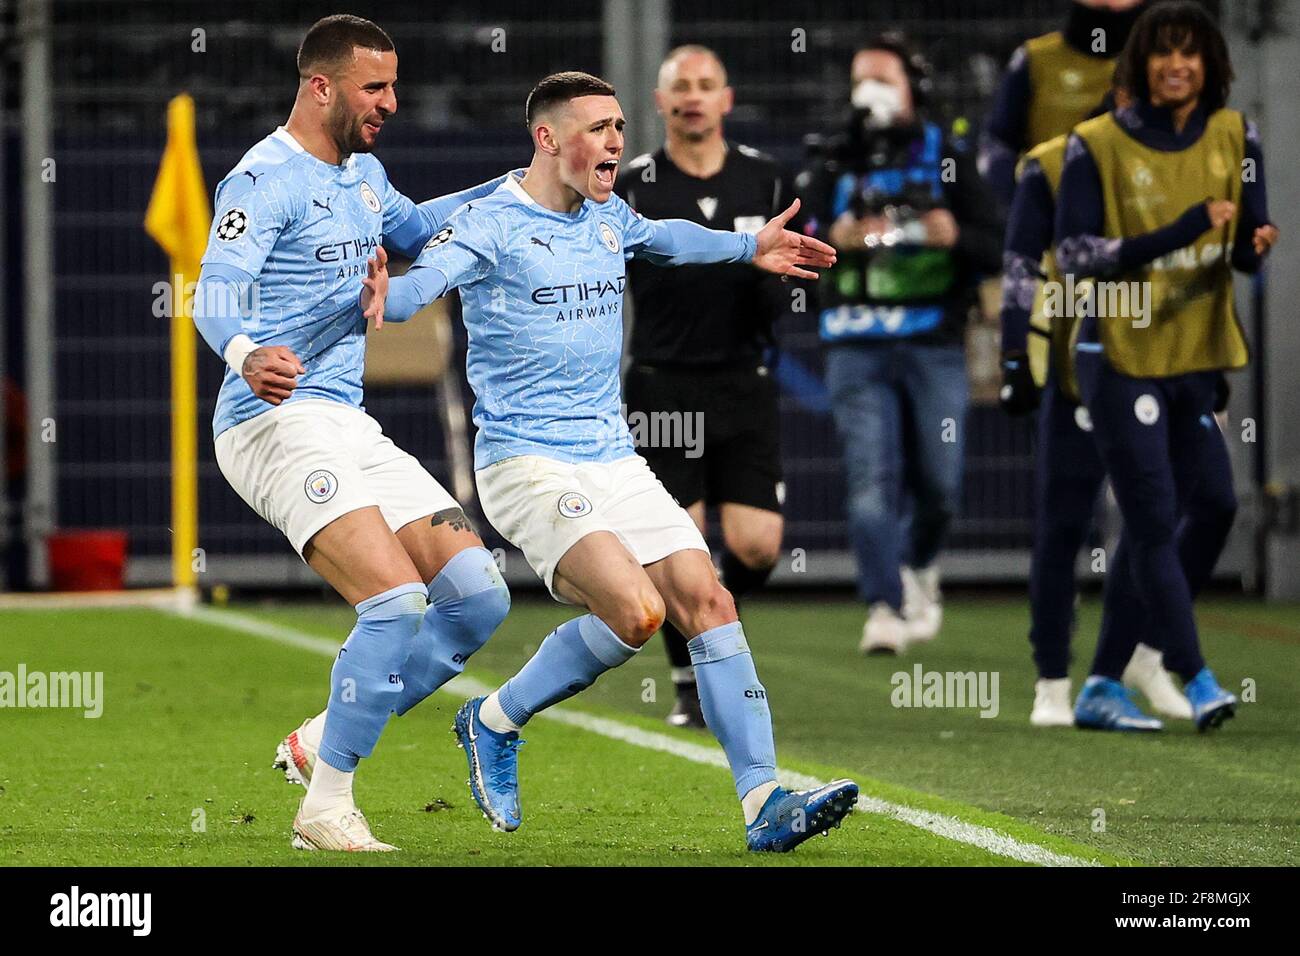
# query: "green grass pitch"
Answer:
x=176 y=771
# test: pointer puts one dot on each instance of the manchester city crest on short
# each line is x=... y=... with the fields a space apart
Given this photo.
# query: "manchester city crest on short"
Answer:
x=320 y=486
x=369 y=198
x=1083 y=418
x=574 y=505
x=608 y=238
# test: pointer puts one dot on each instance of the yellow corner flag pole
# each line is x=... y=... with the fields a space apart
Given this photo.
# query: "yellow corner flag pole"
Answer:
x=178 y=219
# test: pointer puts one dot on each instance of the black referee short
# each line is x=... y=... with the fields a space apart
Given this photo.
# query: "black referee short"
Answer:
x=739 y=457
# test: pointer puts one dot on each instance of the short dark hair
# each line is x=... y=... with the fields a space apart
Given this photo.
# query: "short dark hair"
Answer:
x=562 y=87
x=329 y=43
x=1180 y=24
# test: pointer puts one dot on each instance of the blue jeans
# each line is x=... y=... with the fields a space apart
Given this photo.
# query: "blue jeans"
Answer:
x=900 y=411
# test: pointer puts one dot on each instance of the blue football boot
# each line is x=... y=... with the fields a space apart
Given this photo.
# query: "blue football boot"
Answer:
x=1211 y=704
x=788 y=818
x=1105 y=704
x=493 y=766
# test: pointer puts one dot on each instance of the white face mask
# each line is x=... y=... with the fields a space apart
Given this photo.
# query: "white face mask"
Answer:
x=882 y=101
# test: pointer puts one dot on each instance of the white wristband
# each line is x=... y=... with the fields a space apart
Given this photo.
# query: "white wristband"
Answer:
x=237 y=350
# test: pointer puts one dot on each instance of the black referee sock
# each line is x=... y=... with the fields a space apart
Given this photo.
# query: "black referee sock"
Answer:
x=740 y=578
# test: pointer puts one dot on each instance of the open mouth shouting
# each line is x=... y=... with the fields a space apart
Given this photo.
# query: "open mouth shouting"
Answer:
x=606 y=171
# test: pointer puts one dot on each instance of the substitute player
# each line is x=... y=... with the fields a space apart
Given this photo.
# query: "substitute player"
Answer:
x=1133 y=209
x=299 y=224
x=1051 y=83
x=700 y=333
x=1068 y=473
x=540 y=265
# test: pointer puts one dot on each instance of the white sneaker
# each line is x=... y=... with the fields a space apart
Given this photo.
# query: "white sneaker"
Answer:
x=296 y=756
x=348 y=832
x=1052 y=707
x=885 y=631
x=1146 y=672
x=922 y=603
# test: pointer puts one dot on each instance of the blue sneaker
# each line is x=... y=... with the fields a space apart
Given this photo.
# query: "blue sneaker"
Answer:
x=493 y=767
x=1211 y=704
x=788 y=818
x=1105 y=704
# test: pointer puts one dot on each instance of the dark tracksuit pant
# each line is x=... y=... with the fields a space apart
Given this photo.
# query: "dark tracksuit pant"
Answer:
x=1067 y=476
x=1207 y=513
x=1155 y=437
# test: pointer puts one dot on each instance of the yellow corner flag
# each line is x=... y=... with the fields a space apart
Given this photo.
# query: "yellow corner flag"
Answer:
x=178 y=219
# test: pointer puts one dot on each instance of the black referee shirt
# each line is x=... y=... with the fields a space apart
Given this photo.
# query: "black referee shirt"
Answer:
x=698 y=315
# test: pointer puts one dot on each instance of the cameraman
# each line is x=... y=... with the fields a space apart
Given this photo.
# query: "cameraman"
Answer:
x=914 y=226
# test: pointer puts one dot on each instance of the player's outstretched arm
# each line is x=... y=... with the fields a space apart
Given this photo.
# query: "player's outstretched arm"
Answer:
x=425 y=219
x=676 y=242
x=786 y=253
x=398 y=298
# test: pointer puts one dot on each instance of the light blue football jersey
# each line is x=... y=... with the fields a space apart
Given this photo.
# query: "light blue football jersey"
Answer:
x=542 y=295
x=303 y=228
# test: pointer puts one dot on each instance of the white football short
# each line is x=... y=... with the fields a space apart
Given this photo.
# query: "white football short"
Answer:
x=303 y=464
x=543 y=507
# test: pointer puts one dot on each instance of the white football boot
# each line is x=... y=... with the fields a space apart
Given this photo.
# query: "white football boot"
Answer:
x=296 y=753
x=345 y=830
x=922 y=603
x=885 y=631
x=1146 y=672
x=1052 y=705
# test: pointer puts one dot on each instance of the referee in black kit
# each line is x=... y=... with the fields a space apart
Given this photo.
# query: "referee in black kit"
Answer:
x=699 y=337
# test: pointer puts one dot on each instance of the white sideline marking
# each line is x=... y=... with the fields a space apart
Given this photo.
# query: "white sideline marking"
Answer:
x=166 y=599
x=948 y=827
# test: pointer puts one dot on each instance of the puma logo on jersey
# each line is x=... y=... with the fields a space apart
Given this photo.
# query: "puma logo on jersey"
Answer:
x=545 y=245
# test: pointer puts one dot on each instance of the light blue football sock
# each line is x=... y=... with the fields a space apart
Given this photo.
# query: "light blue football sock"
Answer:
x=735 y=704
x=569 y=660
x=365 y=682
x=468 y=600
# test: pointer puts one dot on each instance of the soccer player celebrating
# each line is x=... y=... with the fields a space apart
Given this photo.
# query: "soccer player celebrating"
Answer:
x=700 y=333
x=540 y=265
x=1068 y=472
x=298 y=227
x=1133 y=208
